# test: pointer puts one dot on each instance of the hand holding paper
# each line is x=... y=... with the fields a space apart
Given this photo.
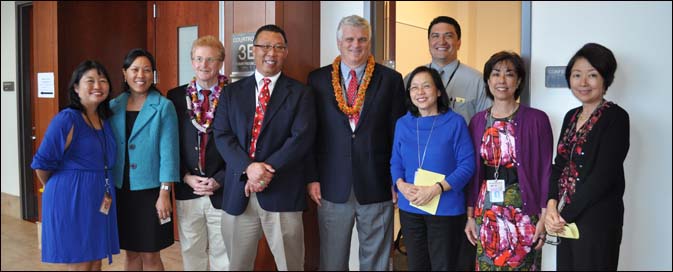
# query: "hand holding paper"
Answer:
x=428 y=178
x=570 y=231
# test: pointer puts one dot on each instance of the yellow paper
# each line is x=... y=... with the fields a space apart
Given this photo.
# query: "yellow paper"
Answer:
x=428 y=178
x=570 y=231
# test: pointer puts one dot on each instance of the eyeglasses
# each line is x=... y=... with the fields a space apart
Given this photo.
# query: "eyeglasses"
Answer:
x=208 y=60
x=555 y=242
x=267 y=47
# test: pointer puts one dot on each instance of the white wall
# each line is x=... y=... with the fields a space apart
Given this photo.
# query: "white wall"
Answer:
x=10 y=139
x=639 y=34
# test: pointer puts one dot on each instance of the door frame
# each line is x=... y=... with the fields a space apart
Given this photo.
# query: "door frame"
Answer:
x=26 y=129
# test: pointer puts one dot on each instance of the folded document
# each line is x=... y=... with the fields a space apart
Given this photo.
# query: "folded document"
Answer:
x=428 y=178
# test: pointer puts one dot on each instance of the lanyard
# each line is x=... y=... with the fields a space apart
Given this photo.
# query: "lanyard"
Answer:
x=418 y=142
x=103 y=144
x=446 y=87
x=491 y=121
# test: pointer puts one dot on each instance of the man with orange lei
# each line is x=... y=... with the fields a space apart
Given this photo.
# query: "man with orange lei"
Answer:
x=357 y=104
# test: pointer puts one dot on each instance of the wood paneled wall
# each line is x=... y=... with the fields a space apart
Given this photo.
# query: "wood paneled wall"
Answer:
x=45 y=59
x=100 y=31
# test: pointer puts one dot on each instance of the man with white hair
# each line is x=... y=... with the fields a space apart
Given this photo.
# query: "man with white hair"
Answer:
x=358 y=102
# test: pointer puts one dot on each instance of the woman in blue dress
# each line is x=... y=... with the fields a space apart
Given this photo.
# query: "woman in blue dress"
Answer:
x=79 y=218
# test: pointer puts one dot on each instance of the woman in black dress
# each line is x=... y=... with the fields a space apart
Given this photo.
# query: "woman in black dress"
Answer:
x=587 y=181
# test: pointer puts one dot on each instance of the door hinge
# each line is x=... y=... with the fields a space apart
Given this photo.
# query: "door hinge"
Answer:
x=154 y=10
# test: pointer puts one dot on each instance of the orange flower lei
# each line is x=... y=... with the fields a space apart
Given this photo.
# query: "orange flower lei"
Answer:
x=338 y=91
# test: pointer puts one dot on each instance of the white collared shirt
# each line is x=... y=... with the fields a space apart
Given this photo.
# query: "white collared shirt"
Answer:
x=259 y=79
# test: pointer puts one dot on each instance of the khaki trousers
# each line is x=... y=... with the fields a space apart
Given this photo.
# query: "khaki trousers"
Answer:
x=284 y=232
x=200 y=231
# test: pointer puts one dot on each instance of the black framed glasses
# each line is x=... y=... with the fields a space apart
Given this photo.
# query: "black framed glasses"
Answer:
x=268 y=47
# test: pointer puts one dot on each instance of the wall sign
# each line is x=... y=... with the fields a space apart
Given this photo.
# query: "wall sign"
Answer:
x=45 y=85
x=243 y=60
x=555 y=77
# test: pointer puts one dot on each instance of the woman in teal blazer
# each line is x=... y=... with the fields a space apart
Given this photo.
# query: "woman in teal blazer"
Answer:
x=145 y=126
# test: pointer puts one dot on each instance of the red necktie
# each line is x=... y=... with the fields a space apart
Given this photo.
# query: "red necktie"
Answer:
x=351 y=93
x=205 y=106
x=259 y=116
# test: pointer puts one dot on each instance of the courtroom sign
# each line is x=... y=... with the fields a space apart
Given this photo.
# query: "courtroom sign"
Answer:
x=243 y=61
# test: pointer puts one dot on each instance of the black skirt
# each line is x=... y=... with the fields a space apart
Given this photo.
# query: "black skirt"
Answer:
x=138 y=222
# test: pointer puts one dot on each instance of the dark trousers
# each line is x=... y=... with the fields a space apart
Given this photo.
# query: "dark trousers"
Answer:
x=597 y=249
x=432 y=242
x=467 y=255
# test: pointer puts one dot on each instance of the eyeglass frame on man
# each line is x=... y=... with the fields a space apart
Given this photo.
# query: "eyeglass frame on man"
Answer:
x=267 y=47
x=207 y=60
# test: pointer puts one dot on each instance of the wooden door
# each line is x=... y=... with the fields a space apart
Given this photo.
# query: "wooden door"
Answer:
x=163 y=34
x=44 y=60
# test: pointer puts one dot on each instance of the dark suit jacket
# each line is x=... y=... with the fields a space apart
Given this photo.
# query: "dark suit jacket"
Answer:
x=360 y=159
x=189 y=154
x=285 y=139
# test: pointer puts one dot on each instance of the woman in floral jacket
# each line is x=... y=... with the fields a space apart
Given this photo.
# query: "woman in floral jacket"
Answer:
x=514 y=146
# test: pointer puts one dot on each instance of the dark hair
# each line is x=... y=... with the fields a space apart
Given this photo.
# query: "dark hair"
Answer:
x=271 y=28
x=519 y=67
x=130 y=58
x=447 y=20
x=442 y=100
x=600 y=57
x=103 y=108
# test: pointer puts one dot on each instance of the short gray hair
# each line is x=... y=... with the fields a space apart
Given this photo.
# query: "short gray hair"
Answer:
x=354 y=21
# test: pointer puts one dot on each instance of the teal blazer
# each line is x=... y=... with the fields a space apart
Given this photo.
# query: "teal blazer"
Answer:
x=153 y=145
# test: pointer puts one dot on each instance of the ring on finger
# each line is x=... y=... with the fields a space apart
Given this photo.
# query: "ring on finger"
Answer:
x=261 y=182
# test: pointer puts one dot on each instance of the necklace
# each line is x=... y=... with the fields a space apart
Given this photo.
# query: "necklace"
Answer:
x=338 y=91
x=509 y=116
x=418 y=142
x=202 y=123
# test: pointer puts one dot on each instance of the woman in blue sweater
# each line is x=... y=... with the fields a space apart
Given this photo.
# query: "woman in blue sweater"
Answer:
x=431 y=137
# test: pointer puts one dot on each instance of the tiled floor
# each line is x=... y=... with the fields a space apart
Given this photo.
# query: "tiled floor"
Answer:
x=20 y=252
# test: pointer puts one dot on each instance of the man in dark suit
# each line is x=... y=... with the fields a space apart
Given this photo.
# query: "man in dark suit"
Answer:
x=199 y=196
x=264 y=129
x=357 y=103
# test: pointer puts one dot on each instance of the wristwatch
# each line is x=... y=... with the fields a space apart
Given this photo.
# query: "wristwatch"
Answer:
x=165 y=187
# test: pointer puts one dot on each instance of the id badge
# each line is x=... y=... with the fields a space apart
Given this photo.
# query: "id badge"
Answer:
x=496 y=189
x=164 y=221
x=105 y=205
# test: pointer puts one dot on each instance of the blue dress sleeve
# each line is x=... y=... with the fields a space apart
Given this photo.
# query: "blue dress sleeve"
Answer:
x=50 y=153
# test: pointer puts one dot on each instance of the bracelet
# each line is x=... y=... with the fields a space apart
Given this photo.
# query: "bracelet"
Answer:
x=165 y=187
x=440 y=185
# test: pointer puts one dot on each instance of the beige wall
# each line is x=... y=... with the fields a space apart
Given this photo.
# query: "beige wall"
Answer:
x=487 y=27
